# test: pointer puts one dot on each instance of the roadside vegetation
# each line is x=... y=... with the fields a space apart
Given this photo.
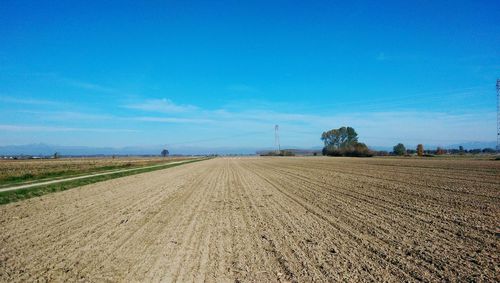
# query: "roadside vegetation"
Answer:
x=15 y=172
x=21 y=194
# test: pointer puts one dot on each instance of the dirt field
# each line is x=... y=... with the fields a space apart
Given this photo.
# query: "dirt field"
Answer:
x=265 y=219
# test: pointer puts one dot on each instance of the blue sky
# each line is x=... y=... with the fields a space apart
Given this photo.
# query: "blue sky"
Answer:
x=223 y=73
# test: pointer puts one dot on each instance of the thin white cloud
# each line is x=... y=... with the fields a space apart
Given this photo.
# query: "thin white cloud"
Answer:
x=381 y=57
x=161 y=105
x=37 y=128
x=241 y=88
x=91 y=86
x=377 y=128
x=83 y=84
x=69 y=115
x=77 y=83
x=382 y=126
x=171 y=120
x=29 y=101
x=298 y=128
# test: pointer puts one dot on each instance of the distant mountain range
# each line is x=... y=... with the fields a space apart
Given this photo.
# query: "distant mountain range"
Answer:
x=42 y=149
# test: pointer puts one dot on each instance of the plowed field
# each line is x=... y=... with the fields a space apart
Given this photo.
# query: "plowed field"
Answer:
x=265 y=219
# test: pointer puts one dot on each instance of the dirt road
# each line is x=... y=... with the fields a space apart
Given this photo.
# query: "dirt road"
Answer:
x=264 y=219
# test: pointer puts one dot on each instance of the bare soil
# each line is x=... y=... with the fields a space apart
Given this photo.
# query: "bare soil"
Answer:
x=265 y=219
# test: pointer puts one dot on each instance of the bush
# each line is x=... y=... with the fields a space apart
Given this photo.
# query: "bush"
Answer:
x=280 y=153
x=355 y=150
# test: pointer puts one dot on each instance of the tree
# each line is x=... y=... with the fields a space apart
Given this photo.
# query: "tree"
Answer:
x=343 y=142
x=164 y=152
x=399 y=149
x=340 y=138
x=420 y=150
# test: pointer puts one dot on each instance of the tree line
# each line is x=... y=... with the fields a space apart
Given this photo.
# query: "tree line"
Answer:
x=401 y=150
x=344 y=142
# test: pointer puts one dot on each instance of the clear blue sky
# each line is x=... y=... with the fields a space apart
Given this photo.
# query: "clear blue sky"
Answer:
x=223 y=73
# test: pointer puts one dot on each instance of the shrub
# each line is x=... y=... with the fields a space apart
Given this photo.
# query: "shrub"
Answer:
x=355 y=150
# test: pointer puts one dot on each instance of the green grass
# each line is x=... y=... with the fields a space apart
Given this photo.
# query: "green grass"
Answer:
x=22 y=194
x=28 y=177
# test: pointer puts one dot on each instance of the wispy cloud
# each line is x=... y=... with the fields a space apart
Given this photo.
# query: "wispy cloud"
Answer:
x=38 y=128
x=74 y=82
x=89 y=86
x=381 y=57
x=172 y=120
x=29 y=101
x=161 y=105
x=378 y=126
x=69 y=115
x=241 y=88
x=299 y=128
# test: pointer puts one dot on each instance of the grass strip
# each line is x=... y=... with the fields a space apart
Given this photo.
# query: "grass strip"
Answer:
x=30 y=178
x=26 y=193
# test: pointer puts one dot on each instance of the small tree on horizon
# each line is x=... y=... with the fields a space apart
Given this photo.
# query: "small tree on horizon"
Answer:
x=164 y=152
x=420 y=150
x=399 y=149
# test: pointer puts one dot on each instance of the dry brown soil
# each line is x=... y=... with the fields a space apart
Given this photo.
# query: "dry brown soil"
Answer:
x=265 y=219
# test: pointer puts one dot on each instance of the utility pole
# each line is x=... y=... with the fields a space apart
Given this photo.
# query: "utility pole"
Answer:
x=277 y=137
x=498 y=116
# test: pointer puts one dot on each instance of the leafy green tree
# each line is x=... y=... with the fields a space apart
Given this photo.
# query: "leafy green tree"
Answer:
x=340 y=138
x=343 y=142
x=399 y=149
